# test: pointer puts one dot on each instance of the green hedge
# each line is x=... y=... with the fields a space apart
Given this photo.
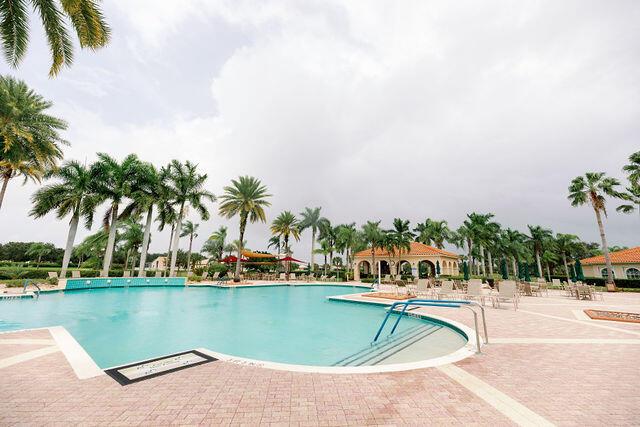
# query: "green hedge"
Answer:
x=9 y=273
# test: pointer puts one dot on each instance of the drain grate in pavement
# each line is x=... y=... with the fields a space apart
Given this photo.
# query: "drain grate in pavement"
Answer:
x=152 y=368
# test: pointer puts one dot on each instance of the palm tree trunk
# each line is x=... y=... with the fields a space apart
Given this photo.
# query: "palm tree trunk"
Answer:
x=373 y=264
x=515 y=266
x=605 y=251
x=313 y=248
x=548 y=273
x=484 y=267
x=566 y=268
x=470 y=247
x=490 y=261
x=538 y=262
x=173 y=228
x=243 y=225
x=5 y=181
x=174 y=244
x=126 y=259
x=189 y=254
x=111 y=241
x=145 y=242
x=73 y=228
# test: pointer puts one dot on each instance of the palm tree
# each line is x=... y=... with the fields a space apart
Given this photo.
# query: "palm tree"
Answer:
x=347 y=239
x=113 y=181
x=84 y=15
x=328 y=234
x=133 y=236
x=73 y=196
x=311 y=219
x=39 y=250
x=286 y=225
x=633 y=168
x=566 y=244
x=324 y=250
x=514 y=243
x=145 y=193
x=247 y=198
x=189 y=229
x=29 y=138
x=276 y=243
x=166 y=210
x=374 y=237
x=539 y=237
x=436 y=232
x=186 y=187
x=216 y=242
x=592 y=188
x=632 y=195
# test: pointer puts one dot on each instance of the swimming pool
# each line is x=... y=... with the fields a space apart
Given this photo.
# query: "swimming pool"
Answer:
x=286 y=324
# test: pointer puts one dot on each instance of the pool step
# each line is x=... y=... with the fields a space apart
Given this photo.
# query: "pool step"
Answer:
x=381 y=350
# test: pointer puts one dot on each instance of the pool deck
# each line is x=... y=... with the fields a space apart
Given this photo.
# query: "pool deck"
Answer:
x=546 y=363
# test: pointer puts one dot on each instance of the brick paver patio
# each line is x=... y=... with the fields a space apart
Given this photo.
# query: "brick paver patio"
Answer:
x=542 y=358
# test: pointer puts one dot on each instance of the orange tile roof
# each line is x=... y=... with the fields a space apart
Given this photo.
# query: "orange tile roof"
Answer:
x=416 y=249
x=625 y=256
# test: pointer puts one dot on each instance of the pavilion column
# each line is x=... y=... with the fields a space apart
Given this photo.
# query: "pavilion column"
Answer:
x=356 y=271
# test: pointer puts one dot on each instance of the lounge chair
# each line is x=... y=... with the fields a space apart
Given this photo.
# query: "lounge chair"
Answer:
x=474 y=291
x=158 y=273
x=507 y=291
x=292 y=276
x=283 y=277
x=387 y=279
x=126 y=274
x=556 y=282
x=446 y=290
x=423 y=288
x=75 y=274
x=52 y=274
x=584 y=292
x=323 y=278
x=216 y=275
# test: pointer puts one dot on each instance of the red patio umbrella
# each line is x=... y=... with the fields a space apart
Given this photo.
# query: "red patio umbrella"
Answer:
x=230 y=259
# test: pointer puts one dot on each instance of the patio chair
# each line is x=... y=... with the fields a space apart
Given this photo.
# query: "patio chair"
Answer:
x=323 y=278
x=584 y=292
x=126 y=274
x=474 y=292
x=75 y=274
x=158 y=273
x=508 y=291
x=283 y=277
x=387 y=279
x=205 y=275
x=556 y=282
x=424 y=287
x=52 y=274
x=292 y=276
x=595 y=293
x=446 y=290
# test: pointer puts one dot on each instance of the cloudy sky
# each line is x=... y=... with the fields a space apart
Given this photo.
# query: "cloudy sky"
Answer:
x=369 y=109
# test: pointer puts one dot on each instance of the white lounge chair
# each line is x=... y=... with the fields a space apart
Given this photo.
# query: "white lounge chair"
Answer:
x=205 y=275
x=75 y=274
x=507 y=291
x=474 y=291
x=158 y=273
x=283 y=276
x=446 y=290
x=423 y=287
x=292 y=276
x=126 y=274
x=52 y=274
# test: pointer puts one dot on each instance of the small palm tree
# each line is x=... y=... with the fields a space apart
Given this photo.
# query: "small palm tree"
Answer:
x=29 y=139
x=113 y=182
x=187 y=189
x=566 y=245
x=72 y=195
x=286 y=225
x=247 y=198
x=311 y=219
x=347 y=240
x=84 y=15
x=189 y=229
x=514 y=245
x=132 y=236
x=592 y=189
x=276 y=243
x=40 y=250
x=216 y=242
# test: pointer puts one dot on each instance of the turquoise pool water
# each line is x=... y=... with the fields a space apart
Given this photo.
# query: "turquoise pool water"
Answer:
x=289 y=324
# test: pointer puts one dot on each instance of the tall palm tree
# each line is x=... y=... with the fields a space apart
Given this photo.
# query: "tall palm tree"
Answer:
x=30 y=143
x=566 y=245
x=286 y=225
x=433 y=232
x=72 y=195
x=592 y=189
x=328 y=234
x=85 y=17
x=186 y=187
x=374 y=238
x=113 y=182
x=167 y=214
x=146 y=191
x=133 y=236
x=247 y=198
x=311 y=219
x=347 y=240
x=514 y=243
x=539 y=236
x=189 y=229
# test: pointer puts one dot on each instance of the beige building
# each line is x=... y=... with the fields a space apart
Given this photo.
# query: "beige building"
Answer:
x=159 y=263
x=419 y=254
x=625 y=263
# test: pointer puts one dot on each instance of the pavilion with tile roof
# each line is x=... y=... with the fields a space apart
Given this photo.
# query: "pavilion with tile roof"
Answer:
x=625 y=263
x=418 y=254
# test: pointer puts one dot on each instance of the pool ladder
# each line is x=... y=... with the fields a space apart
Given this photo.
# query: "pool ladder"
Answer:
x=26 y=283
x=470 y=305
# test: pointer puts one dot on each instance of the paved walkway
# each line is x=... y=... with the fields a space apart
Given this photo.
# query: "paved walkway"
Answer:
x=545 y=365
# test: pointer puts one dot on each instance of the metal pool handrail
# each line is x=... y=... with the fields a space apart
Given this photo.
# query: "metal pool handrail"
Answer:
x=437 y=303
x=27 y=283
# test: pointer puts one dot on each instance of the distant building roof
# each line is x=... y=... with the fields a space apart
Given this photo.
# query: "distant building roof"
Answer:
x=625 y=256
x=416 y=249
